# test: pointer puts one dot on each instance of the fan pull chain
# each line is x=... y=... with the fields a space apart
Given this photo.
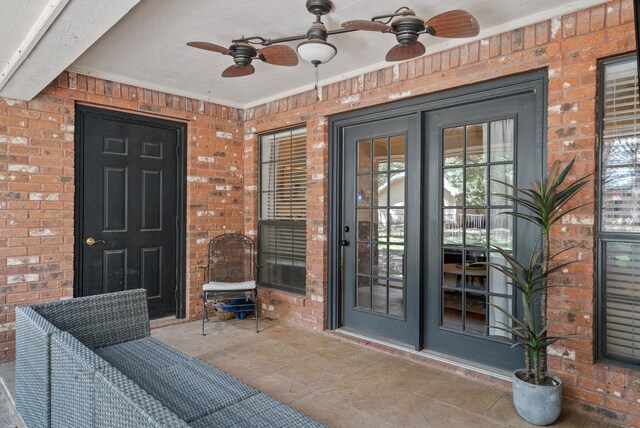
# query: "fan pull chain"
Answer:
x=316 y=84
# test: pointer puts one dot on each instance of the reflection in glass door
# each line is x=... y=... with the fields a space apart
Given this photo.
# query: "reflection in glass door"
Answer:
x=380 y=201
x=380 y=286
x=471 y=149
x=474 y=156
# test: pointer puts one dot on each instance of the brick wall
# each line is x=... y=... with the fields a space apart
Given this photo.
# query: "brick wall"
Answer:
x=37 y=186
x=569 y=47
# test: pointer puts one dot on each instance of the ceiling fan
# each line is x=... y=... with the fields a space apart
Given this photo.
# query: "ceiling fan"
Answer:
x=244 y=53
x=407 y=27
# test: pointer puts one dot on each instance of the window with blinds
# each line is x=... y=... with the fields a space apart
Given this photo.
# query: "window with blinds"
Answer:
x=619 y=230
x=282 y=231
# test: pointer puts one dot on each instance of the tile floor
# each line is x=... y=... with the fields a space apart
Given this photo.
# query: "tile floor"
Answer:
x=343 y=384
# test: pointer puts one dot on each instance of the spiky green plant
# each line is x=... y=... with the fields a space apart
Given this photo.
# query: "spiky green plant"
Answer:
x=544 y=204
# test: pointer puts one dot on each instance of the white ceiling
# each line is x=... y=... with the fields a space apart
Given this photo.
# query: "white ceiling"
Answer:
x=148 y=46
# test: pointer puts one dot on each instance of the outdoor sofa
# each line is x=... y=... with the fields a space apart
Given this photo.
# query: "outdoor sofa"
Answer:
x=91 y=362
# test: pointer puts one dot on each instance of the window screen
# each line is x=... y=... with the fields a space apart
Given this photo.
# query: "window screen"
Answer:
x=620 y=211
x=283 y=209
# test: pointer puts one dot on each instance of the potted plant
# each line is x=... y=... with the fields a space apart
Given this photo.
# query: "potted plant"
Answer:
x=537 y=394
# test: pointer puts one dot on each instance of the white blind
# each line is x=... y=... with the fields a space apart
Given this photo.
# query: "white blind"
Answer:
x=620 y=214
x=284 y=175
x=283 y=209
x=621 y=149
x=622 y=275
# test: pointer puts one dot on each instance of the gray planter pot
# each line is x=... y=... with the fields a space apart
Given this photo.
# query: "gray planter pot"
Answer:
x=537 y=404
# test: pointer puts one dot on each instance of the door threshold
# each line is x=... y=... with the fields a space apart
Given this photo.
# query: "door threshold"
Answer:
x=451 y=360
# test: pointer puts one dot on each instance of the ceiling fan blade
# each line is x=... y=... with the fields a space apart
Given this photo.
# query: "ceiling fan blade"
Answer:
x=279 y=55
x=401 y=53
x=209 y=47
x=364 y=25
x=235 y=71
x=454 y=24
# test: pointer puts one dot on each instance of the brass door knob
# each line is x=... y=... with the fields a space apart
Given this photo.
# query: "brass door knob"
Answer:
x=91 y=240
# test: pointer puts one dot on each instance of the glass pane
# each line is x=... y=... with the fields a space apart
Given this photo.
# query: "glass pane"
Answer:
x=397 y=152
x=380 y=257
x=380 y=155
x=477 y=142
x=380 y=224
x=396 y=261
x=475 y=228
x=621 y=184
x=475 y=313
x=453 y=146
x=502 y=173
x=452 y=226
x=452 y=269
x=363 y=296
x=622 y=299
x=452 y=192
x=396 y=298
x=381 y=185
x=364 y=259
x=498 y=320
x=396 y=225
x=501 y=229
x=364 y=156
x=500 y=283
x=364 y=224
x=502 y=135
x=452 y=309
x=396 y=189
x=475 y=270
x=379 y=289
x=476 y=186
x=267 y=148
x=363 y=195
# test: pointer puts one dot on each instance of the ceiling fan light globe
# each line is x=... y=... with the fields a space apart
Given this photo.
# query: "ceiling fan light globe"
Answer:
x=316 y=51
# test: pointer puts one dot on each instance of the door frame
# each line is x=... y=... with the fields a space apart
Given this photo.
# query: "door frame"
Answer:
x=82 y=111
x=535 y=82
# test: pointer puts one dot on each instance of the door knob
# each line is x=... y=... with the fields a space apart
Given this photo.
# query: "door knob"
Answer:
x=345 y=243
x=91 y=240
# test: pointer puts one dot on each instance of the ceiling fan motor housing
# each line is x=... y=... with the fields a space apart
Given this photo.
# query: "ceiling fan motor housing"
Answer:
x=406 y=29
x=243 y=53
x=319 y=7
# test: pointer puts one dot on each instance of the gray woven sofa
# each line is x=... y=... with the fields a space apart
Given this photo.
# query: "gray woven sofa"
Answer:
x=91 y=362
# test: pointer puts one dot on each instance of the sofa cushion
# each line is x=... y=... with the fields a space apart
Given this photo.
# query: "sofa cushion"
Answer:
x=260 y=411
x=188 y=387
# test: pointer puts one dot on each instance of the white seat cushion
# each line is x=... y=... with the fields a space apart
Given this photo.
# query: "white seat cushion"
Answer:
x=229 y=286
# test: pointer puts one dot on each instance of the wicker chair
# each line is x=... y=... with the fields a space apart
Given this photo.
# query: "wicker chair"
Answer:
x=230 y=273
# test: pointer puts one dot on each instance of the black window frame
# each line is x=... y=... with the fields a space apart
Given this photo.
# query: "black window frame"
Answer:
x=603 y=237
x=264 y=223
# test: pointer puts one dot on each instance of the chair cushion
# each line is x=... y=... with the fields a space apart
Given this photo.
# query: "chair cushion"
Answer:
x=229 y=286
x=257 y=411
x=188 y=387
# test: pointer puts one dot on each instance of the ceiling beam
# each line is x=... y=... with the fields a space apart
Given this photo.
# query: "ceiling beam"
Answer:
x=42 y=24
x=63 y=31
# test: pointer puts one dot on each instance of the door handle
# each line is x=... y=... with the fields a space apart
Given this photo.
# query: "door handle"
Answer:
x=91 y=240
x=345 y=243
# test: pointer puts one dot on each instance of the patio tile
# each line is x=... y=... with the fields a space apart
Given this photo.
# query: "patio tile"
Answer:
x=316 y=372
x=421 y=411
x=335 y=413
x=281 y=387
x=375 y=387
x=270 y=351
x=246 y=368
x=464 y=393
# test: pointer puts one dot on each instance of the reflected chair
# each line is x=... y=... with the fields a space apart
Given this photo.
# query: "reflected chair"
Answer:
x=229 y=277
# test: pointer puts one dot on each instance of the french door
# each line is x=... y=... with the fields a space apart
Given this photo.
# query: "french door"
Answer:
x=417 y=213
x=471 y=149
x=381 y=199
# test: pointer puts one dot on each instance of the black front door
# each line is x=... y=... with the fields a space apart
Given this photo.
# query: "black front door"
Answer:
x=381 y=197
x=128 y=206
x=468 y=147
